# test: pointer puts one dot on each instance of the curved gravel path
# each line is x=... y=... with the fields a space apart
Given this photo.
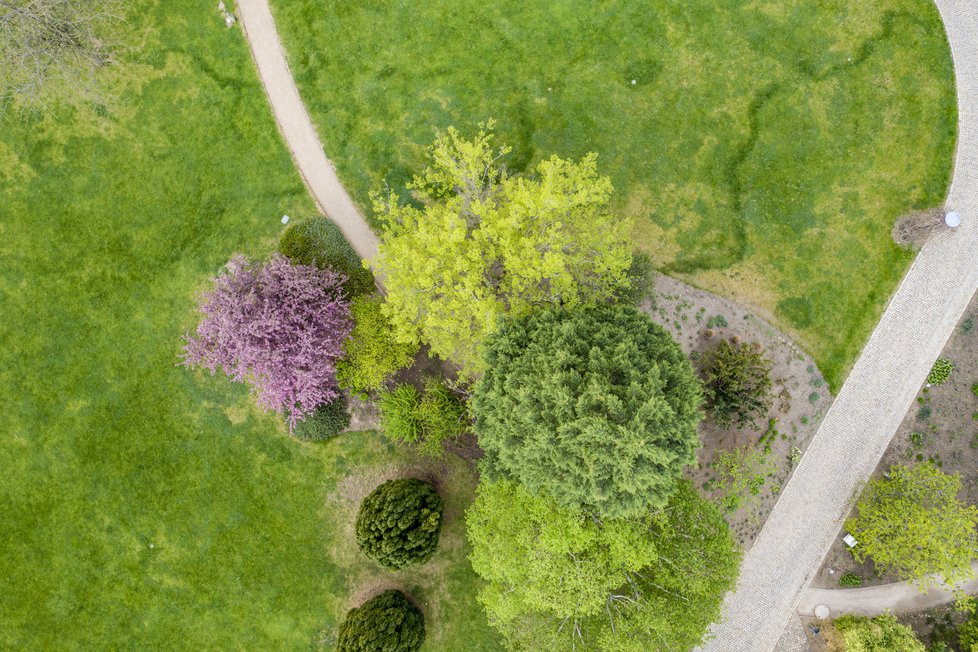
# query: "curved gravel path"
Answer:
x=898 y=597
x=297 y=129
x=881 y=387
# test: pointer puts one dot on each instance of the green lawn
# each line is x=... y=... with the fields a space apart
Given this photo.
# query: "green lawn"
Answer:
x=144 y=506
x=765 y=147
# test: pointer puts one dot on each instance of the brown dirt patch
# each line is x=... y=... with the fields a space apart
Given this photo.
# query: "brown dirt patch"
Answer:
x=697 y=319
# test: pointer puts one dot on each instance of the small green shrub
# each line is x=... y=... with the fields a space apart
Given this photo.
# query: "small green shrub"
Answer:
x=794 y=456
x=916 y=439
x=940 y=372
x=399 y=418
x=318 y=241
x=443 y=417
x=974 y=389
x=850 y=580
x=880 y=634
x=924 y=413
x=326 y=422
x=373 y=352
x=641 y=280
x=717 y=321
x=741 y=474
x=387 y=622
x=968 y=325
x=968 y=633
x=737 y=382
x=399 y=523
x=427 y=419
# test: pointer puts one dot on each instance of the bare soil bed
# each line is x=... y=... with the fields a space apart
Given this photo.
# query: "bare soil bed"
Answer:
x=698 y=320
x=940 y=427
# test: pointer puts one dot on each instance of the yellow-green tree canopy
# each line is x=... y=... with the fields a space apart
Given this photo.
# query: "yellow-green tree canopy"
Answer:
x=561 y=579
x=880 y=634
x=484 y=243
x=597 y=408
x=911 y=523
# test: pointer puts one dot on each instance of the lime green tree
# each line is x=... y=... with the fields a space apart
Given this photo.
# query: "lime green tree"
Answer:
x=373 y=352
x=561 y=579
x=880 y=634
x=911 y=523
x=597 y=408
x=486 y=243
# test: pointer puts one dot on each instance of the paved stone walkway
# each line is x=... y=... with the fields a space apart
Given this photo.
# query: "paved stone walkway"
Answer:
x=793 y=638
x=874 y=399
x=898 y=597
x=297 y=128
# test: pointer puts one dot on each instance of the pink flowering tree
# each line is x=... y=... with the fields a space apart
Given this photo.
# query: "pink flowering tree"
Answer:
x=279 y=328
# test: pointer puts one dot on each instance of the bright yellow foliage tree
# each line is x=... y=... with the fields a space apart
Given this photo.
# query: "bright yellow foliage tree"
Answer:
x=485 y=243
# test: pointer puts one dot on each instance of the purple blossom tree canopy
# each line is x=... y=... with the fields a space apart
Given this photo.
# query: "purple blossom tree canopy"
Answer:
x=276 y=326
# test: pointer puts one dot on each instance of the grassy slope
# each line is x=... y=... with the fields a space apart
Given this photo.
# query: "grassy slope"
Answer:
x=765 y=148
x=144 y=505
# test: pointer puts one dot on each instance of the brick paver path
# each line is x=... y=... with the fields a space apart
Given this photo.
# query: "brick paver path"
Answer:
x=297 y=129
x=875 y=397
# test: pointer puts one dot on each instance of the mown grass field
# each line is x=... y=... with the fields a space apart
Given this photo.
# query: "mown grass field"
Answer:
x=764 y=147
x=144 y=506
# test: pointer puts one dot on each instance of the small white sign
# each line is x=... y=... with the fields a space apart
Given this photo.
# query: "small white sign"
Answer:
x=285 y=219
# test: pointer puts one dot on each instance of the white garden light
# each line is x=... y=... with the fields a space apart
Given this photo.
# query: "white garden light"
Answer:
x=952 y=219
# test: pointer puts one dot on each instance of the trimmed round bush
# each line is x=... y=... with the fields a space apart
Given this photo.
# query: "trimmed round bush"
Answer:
x=318 y=241
x=399 y=523
x=387 y=623
x=329 y=420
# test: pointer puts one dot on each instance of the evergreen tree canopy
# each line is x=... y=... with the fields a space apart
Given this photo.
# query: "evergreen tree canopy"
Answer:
x=486 y=243
x=560 y=579
x=388 y=622
x=597 y=408
x=738 y=382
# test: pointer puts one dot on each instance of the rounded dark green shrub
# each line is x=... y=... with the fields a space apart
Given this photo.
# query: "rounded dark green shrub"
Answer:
x=399 y=523
x=738 y=382
x=319 y=242
x=326 y=422
x=386 y=623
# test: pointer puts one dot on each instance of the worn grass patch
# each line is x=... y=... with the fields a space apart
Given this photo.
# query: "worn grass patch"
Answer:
x=145 y=506
x=763 y=142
